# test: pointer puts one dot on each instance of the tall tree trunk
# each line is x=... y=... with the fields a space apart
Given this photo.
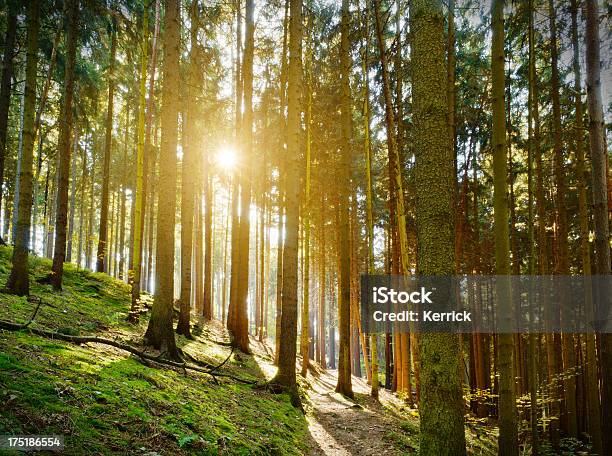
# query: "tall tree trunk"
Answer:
x=82 y=218
x=508 y=438
x=73 y=171
x=188 y=181
x=533 y=146
x=285 y=376
x=159 y=332
x=235 y=248
x=5 y=82
x=208 y=247
x=122 y=209
x=321 y=317
x=562 y=257
x=305 y=334
x=59 y=254
x=368 y=174
x=18 y=281
x=600 y=202
x=241 y=328
x=281 y=186
x=134 y=275
x=590 y=377
x=397 y=209
x=102 y=236
x=344 y=385
x=441 y=403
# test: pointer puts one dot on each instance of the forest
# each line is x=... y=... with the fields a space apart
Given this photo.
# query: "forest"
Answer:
x=192 y=191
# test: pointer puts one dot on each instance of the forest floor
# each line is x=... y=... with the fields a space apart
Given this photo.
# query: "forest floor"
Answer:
x=105 y=401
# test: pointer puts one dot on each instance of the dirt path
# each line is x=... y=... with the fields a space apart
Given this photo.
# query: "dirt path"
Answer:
x=364 y=427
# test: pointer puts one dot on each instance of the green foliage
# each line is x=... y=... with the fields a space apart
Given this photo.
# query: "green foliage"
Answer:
x=105 y=402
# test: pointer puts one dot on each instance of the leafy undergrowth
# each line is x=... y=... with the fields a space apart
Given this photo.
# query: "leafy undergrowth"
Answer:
x=106 y=402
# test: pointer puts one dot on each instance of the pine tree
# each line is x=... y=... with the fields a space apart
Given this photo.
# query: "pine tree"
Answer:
x=441 y=403
x=160 y=333
x=344 y=385
x=101 y=257
x=508 y=438
x=63 y=173
x=19 y=280
x=600 y=201
x=285 y=376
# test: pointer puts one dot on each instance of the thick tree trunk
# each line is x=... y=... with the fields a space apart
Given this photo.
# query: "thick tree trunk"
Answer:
x=160 y=333
x=18 y=281
x=441 y=403
x=5 y=82
x=287 y=354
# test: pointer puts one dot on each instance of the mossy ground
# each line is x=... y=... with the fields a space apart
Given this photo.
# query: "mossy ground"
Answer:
x=106 y=402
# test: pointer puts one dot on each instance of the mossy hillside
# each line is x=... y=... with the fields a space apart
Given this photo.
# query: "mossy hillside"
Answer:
x=105 y=402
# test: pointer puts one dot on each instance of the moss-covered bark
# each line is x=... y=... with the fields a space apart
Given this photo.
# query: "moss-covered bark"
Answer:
x=508 y=438
x=441 y=403
x=160 y=333
x=19 y=280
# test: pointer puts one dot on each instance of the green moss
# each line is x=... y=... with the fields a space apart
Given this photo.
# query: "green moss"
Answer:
x=106 y=402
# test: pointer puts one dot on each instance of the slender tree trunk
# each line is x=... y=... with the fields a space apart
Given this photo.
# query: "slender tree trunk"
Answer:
x=75 y=151
x=508 y=438
x=208 y=247
x=344 y=385
x=134 y=275
x=18 y=281
x=59 y=255
x=321 y=318
x=600 y=209
x=532 y=350
x=235 y=248
x=159 y=332
x=188 y=181
x=102 y=236
x=305 y=335
x=241 y=328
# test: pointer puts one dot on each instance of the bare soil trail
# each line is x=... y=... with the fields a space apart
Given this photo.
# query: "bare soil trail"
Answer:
x=363 y=427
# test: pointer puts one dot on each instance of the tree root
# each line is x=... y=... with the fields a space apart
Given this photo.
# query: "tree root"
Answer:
x=144 y=357
x=275 y=387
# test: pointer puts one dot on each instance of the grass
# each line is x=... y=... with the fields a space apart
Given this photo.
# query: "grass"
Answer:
x=106 y=402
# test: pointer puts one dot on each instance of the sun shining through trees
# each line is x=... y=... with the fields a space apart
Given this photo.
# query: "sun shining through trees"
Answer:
x=230 y=169
x=226 y=158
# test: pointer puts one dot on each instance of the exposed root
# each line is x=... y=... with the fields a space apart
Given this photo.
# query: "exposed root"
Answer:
x=144 y=357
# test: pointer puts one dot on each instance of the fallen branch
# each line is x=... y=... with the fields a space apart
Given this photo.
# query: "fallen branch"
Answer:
x=10 y=326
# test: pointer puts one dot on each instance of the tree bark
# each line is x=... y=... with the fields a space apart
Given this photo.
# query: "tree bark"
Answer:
x=441 y=402
x=508 y=437
x=104 y=209
x=600 y=201
x=287 y=353
x=160 y=333
x=5 y=82
x=59 y=254
x=18 y=281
